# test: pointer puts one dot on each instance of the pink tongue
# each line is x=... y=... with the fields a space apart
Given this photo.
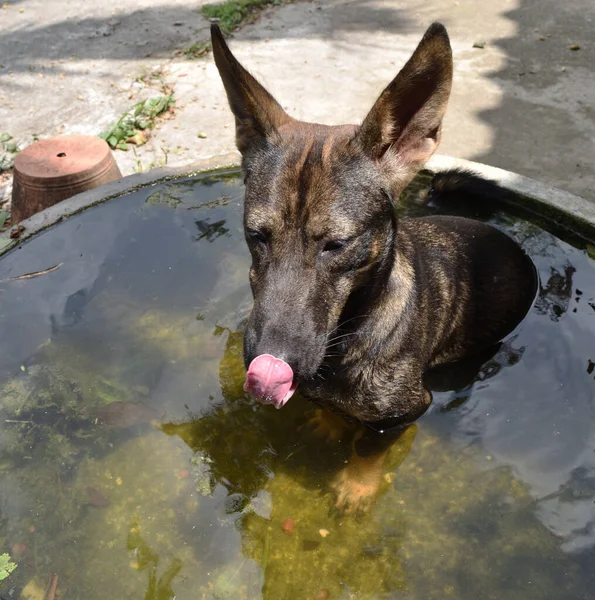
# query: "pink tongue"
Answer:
x=270 y=380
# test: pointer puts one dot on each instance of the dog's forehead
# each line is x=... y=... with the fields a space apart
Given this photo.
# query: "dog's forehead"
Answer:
x=314 y=180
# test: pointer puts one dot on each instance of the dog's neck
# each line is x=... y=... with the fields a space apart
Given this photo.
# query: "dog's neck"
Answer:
x=375 y=310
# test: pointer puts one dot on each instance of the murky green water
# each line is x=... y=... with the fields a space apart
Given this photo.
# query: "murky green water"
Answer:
x=133 y=466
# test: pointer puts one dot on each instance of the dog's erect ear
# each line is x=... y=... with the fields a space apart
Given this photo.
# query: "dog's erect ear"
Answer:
x=258 y=115
x=403 y=128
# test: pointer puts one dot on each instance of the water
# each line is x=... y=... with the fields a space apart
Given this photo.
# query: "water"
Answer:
x=133 y=466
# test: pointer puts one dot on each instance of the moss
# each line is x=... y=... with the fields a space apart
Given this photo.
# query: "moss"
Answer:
x=232 y=13
x=171 y=194
x=232 y=371
x=6 y=566
x=442 y=529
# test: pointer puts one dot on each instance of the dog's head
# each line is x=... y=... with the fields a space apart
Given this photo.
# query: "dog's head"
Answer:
x=319 y=207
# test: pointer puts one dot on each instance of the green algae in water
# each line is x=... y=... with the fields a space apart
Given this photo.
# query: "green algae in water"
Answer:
x=193 y=505
x=171 y=195
x=6 y=566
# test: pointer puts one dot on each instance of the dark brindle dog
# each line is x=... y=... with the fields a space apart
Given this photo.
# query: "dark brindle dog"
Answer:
x=350 y=303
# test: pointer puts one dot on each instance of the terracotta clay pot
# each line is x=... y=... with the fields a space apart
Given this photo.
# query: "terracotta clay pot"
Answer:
x=52 y=170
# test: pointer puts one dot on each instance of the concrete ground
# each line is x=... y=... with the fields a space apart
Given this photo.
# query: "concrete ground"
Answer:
x=524 y=102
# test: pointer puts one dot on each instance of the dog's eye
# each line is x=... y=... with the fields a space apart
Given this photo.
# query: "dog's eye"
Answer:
x=334 y=245
x=257 y=236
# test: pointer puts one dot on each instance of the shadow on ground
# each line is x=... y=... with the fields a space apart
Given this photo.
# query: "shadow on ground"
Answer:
x=547 y=113
x=157 y=32
x=152 y=32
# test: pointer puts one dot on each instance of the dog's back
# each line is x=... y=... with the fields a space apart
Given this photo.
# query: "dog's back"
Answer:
x=474 y=284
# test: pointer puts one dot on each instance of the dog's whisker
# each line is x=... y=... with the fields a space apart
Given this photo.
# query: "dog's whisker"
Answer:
x=339 y=337
x=343 y=323
x=335 y=344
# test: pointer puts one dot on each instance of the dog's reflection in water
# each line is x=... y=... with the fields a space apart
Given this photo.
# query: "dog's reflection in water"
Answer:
x=246 y=442
x=298 y=459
